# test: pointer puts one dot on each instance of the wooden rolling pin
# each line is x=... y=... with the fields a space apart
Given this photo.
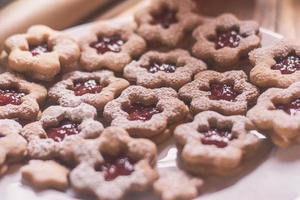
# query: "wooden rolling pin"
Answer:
x=58 y=14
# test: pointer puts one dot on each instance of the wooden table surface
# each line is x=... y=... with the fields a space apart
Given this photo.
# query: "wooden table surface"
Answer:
x=281 y=16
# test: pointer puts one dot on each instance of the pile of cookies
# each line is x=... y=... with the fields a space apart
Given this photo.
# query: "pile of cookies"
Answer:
x=90 y=114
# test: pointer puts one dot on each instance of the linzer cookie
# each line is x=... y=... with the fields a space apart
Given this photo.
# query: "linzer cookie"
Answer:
x=110 y=46
x=13 y=147
x=58 y=127
x=214 y=144
x=225 y=40
x=170 y=184
x=228 y=93
x=172 y=69
x=146 y=113
x=95 y=88
x=42 y=53
x=166 y=22
x=276 y=66
x=115 y=165
x=277 y=112
x=20 y=99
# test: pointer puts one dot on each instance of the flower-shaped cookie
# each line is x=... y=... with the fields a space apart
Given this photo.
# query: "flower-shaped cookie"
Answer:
x=111 y=47
x=166 y=22
x=13 y=147
x=155 y=69
x=146 y=113
x=278 y=112
x=115 y=165
x=225 y=40
x=42 y=53
x=228 y=93
x=20 y=99
x=276 y=66
x=216 y=144
x=58 y=127
x=95 y=88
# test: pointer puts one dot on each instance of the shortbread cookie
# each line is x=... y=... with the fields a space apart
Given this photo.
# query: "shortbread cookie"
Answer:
x=42 y=53
x=46 y=174
x=110 y=46
x=58 y=127
x=276 y=66
x=228 y=93
x=277 y=112
x=13 y=147
x=95 y=88
x=145 y=113
x=213 y=144
x=225 y=40
x=20 y=99
x=166 y=22
x=172 y=69
x=177 y=185
x=114 y=165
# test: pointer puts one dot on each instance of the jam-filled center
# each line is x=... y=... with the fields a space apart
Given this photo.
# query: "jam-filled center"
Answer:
x=108 y=44
x=217 y=136
x=227 y=38
x=11 y=96
x=139 y=111
x=114 y=167
x=291 y=108
x=288 y=64
x=221 y=91
x=39 y=49
x=81 y=87
x=165 y=67
x=64 y=129
x=166 y=17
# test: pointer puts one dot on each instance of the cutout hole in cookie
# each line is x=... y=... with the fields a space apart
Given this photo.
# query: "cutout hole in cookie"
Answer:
x=62 y=130
x=87 y=86
x=292 y=107
x=165 y=17
x=11 y=95
x=222 y=91
x=115 y=166
x=39 y=49
x=156 y=66
x=226 y=38
x=287 y=64
x=105 y=44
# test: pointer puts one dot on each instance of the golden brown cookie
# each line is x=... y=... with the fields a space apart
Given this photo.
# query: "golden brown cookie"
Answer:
x=228 y=93
x=225 y=40
x=166 y=22
x=94 y=88
x=277 y=112
x=171 y=69
x=213 y=144
x=42 y=53
x=276 y=66
x=20 y=99
x=114 y=165
x=110 y=46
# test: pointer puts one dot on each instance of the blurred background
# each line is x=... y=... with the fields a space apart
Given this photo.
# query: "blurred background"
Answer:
x=281 y=16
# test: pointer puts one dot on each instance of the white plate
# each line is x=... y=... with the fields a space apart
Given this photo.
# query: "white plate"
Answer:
x=273 y=176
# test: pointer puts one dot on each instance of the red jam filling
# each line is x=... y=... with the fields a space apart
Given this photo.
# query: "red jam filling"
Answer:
x=114 y=167
x=82 y=87
x=139 y=111
x=229 y=38
x=287 y=65
x=291 y=108
x=64 y=129
x=39 y=49
x=217 y=137
x=165 y=17
x=220 y=91
x=10 y=96
x=165 y=67
x=108 y=44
